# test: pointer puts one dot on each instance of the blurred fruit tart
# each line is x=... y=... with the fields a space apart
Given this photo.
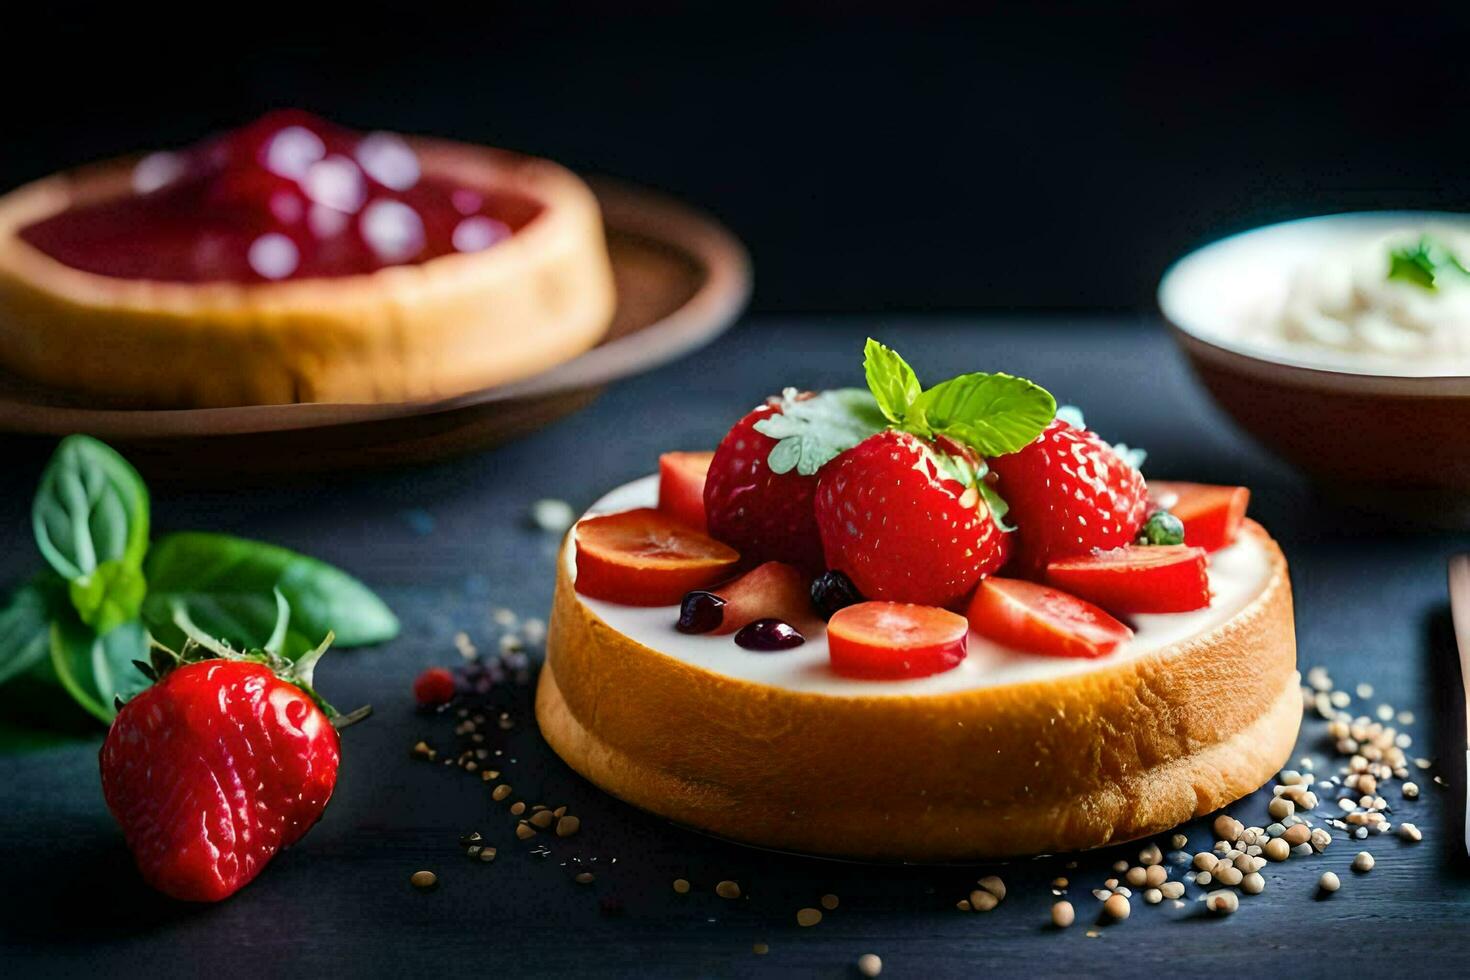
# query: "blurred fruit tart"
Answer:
x=921 y=624
x=296 y=261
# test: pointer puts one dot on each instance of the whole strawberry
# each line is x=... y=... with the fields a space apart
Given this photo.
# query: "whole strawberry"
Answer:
x=907 y=520
x=217 y=766
x=1069 y=493
x=764 y=515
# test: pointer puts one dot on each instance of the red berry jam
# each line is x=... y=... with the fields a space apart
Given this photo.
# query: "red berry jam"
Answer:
x=287 y=197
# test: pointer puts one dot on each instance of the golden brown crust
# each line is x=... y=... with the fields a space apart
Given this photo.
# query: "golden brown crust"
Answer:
x=1078 y=762
x=407 y=333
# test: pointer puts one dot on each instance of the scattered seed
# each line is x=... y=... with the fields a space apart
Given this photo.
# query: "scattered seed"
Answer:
x=1156 y=875
x=487 y=854
x=1253 y=883
x=963 y=905
x=542 y=819
x=1363 y=862
x=808 y=917
x=1230 y=876
x=760 y=949
x=1280 y=808
x=423 y=879
x=994 y=885
x=830 y=902
x=1277 y=849
x=1329 y=882
x=1227 y=827
x=1222 y=902
x=1150 y=855
x=1117 y=908
x=869 y=965
x=1178 y=842
x=1060 y=883
x=983 y=901
x=518 y=808
x=1297 y=834
x=1172 y=889
x=500 y=792
x=1137 y=876
x=1411 y=833
x=584 y=878
x=681 y=886
x=525 y=831
x=1063 y=915
x=1153 y=896
x=567 y=826
x=1120 y=866
x=1205 y=861
x=728 y=889
x=1411 y=791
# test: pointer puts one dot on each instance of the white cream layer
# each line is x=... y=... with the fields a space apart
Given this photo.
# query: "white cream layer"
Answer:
x=1237 y=575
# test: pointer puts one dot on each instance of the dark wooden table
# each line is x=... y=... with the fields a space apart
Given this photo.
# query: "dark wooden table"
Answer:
x=448 y=544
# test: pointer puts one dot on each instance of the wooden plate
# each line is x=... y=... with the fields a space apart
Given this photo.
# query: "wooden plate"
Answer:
x=682 y=280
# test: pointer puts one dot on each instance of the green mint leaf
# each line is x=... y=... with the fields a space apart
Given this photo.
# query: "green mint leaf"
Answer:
x=1424 y=263
x=892 y=382
x=25 y=624
x=91 y=507
x=109 y=595
x=810 y=432
x=99 y=671
x=228 y=587
x=993 y=414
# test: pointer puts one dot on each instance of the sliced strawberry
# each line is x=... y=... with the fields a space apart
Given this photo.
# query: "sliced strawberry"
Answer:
x=1211 y=514
x=1039 y=619
x=895 y=640
x=1069 y=494
x=766 y=516
x=643 y=558
x=1137 y=578
x=897 y=523
x=774 y=590
x=681 y=486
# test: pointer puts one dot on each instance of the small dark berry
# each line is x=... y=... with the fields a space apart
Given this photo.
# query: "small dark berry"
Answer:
x=769 y=634
x=1163 y=528
x=433 y=687
x=700 y=612
x=832 y=591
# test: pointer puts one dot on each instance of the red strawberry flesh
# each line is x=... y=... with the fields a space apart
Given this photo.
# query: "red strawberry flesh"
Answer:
x=1212 y=515
x=895 y=640
x=642 y=558
x=1039 y=619
x=1137 y=578
x=681 y=486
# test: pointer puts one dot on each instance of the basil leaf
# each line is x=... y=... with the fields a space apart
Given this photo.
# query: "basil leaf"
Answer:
x=892 y=382
x=993 y=414
x=25 y=625
x=91 y=507
x=98 y=670
x=812 y=431
x=228 y=585
x=109 y=595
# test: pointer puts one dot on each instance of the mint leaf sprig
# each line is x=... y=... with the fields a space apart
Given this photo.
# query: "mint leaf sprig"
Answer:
x=86 y=622
x=1425 y=263
x=993 y=414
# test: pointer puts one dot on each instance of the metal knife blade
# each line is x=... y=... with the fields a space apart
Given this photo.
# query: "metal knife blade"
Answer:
x=1460 y=612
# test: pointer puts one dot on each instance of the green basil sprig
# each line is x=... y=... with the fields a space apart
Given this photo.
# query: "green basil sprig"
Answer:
x=87 y=621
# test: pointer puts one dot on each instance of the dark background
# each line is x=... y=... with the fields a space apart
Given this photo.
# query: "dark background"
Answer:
x=873 y=156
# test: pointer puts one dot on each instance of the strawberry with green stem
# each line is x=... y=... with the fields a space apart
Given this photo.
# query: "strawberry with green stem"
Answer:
x=908 y=513
x=227 y=758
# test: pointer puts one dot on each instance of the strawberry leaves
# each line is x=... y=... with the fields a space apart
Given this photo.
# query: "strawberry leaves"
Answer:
x=993 y=414
x=814 y=429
